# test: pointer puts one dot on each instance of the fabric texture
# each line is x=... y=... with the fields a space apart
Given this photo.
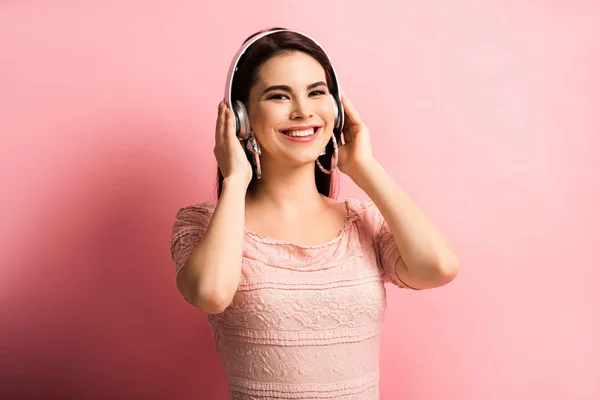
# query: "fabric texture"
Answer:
x=305 y=321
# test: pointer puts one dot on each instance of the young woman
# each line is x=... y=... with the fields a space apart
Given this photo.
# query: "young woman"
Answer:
x=291 y=279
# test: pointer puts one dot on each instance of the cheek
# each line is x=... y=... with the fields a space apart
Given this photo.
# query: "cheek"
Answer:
x=325 y=110
x=267 y=115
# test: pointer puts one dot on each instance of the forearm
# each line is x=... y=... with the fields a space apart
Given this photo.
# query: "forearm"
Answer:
x=213 y=270
x=426 y=254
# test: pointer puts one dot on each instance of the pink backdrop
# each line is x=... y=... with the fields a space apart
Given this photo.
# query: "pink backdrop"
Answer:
x=488 y=115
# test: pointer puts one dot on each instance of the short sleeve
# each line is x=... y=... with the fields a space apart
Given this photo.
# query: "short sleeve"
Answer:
x=188 y=228
x=385 y=244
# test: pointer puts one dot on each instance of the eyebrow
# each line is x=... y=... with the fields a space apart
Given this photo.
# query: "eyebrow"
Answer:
x=286 y=88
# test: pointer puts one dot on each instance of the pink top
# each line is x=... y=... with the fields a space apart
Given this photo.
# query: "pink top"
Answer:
x=305 y=321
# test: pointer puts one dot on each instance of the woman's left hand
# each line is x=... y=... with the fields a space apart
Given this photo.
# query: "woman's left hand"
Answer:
x=356 y=151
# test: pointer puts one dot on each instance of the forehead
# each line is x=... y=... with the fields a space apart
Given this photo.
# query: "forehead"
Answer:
x=290 y=68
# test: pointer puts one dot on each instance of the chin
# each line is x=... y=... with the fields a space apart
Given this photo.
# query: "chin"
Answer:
x=308 y=159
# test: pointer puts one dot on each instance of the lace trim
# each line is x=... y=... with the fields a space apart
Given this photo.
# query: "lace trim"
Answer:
x=304 y=390
x=369 y=394
x=321 y=283
x=301 y=338
x=296 y=262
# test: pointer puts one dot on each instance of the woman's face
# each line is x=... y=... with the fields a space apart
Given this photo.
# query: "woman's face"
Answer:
x=289 y=101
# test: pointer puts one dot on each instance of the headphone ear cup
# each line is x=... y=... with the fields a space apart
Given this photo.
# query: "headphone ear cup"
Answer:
x=336 y=111
x=242 y=122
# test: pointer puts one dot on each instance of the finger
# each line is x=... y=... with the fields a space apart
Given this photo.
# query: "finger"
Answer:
x=349 y=109
x=220 y=124
x=230 y=125
x=217 y=120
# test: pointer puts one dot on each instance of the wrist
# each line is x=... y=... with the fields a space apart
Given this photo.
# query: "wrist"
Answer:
x=235 y=182
x=364 y=170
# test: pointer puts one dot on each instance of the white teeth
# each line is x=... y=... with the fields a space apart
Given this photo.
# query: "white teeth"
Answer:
x=306 y=132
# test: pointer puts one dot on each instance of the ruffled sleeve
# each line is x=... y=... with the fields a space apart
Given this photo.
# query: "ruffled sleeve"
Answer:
x=384 y=242
x=188 y=228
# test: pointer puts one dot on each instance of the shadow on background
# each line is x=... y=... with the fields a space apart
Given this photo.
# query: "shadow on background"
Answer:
x=91 y=310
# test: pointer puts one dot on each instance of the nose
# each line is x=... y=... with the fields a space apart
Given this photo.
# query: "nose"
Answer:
x=300 y=110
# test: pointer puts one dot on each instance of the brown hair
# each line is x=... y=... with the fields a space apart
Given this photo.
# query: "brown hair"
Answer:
x=246 y=75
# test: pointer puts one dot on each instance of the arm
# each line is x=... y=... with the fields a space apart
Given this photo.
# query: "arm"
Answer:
x=211 y=274
x=427 y=260
x=212 y=271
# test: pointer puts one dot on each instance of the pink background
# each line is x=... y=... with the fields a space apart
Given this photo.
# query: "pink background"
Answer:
x=487 y=114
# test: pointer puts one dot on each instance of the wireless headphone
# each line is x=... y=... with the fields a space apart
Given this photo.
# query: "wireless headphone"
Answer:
x=242 y=122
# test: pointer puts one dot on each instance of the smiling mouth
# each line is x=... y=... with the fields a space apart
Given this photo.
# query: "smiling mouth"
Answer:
x=301 y=133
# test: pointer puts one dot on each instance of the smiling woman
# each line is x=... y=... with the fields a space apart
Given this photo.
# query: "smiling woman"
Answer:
x=300 y=111
x=274 y=71
x=292 y=280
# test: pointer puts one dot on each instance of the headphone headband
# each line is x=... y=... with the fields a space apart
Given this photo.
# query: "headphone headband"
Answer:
x=234 y=67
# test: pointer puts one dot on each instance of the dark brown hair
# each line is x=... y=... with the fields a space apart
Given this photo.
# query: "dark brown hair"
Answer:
x=258 y=53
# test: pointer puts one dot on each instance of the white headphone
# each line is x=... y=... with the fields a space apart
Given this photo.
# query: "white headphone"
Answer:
x=242 y=122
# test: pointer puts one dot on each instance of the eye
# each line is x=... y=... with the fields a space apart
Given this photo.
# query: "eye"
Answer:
x=278 y=96
x=317 y=93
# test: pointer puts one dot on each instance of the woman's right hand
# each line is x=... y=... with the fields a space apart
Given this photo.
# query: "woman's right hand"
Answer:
x=229 y=150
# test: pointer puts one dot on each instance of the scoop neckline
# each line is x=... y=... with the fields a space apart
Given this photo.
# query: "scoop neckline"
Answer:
x=268 y=240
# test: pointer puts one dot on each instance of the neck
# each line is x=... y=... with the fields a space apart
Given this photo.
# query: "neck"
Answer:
x=287 y=189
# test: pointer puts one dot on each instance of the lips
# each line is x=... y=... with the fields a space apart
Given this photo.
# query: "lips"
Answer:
x=303 y=137
x=300 y=131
